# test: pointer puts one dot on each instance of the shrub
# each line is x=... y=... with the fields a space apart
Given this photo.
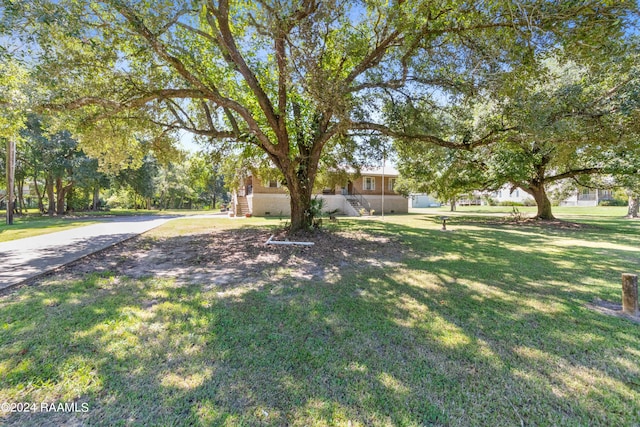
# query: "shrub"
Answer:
x=509 y=203
x=613 y=202
x=490 y=201
x=315 y=211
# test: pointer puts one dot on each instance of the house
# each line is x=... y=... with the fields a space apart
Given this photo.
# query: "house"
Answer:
x=581 y=196
x=508 y=194
x=368 y=193
x=424 y=200
x=587 y=197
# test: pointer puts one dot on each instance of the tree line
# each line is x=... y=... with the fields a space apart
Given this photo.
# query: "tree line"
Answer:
x=297 y=83
x=55 y=176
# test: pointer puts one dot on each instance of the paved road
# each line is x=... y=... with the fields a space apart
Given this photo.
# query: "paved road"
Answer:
x=24 y=259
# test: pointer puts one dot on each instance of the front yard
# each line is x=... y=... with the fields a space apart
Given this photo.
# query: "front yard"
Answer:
x=380 y=323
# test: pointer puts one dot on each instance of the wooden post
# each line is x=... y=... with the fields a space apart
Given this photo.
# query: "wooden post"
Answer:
x=630 y=294
x=444 y=222
x=11 y=164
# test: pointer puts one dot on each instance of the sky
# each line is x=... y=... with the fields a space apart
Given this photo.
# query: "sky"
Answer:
x=188 y=143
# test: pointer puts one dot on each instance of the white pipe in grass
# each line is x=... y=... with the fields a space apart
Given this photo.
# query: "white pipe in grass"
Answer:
x=270 y=241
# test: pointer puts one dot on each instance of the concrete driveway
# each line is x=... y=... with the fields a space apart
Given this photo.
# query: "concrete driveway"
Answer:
x=24 y=259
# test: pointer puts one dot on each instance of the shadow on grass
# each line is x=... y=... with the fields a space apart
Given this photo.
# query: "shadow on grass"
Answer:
x=464 y=331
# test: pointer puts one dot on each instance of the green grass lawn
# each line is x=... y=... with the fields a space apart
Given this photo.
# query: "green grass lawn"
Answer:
x=560 y=211
x=34 y=224
x=487 y=324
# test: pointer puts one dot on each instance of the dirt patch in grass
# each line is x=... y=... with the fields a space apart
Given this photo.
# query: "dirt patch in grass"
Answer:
x=555 y=224
x=227 y=258
x=611 y=309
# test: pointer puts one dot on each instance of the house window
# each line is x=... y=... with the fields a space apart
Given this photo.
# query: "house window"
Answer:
x=369 y=183
x=392 y=184
x=274 y=183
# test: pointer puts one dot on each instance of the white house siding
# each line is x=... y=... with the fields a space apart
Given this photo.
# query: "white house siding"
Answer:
x=279 y=205
x=397 y=204
x=423 y=201
x=333 y=202
x=505 y=194
x=274 y=204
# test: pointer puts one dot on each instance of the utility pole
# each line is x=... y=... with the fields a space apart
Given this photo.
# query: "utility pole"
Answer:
x=384 y=161
x=11 y=173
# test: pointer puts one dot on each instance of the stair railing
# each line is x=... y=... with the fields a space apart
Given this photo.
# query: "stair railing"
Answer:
x=355 y=194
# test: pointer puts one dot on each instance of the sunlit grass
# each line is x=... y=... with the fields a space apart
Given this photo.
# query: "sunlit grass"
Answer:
x=29 y=226
x=558 y=211
x=34 y=224
x=486 y=324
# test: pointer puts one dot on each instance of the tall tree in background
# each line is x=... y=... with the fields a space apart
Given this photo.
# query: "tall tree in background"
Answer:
x=89 y=180
x=566 y=122
x=13 y=105
x=141 y=181
x=290 y=78
x=206 y=179
x=53 y=154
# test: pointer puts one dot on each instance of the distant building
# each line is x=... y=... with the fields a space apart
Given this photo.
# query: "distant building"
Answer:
x=363 y=194
x=581 y=196
x=587 y=197
x=507 y=194
x=423 y=200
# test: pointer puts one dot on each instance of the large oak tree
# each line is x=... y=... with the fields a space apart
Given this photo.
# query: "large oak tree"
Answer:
x=567 y=122
x=290 y=78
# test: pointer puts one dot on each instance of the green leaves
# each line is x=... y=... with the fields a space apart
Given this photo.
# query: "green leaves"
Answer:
x=300 y=81
x=13 y=98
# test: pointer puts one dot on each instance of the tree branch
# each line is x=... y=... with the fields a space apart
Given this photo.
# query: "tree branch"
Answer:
x=384 y=130
x=233 y=56
x=131 y=103
x=180 y=125
x=575 y=172
x=373 y=58
x=211 y=91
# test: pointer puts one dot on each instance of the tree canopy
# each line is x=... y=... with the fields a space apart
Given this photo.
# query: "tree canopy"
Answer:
x=290 y=78
x=568 y=121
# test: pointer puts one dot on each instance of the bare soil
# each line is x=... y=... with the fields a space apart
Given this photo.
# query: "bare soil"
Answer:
x=611 y=309
x=227 y=258
x=554 y=224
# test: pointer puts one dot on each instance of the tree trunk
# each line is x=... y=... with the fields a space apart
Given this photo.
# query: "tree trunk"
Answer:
x=52 y=201
x=452 y=205
x=542 y=201
x=96 y=198
x=69 y=196
x=300 y=206
x=634 y=206
x=60 y=193
x=10 y=167
x=35 y=186
x=300 y=188
x=20 y=185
